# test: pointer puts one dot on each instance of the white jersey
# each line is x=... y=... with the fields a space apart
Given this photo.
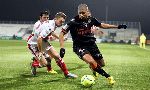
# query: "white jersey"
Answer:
x=32 y=39
x=47 y=28
x=43 y=29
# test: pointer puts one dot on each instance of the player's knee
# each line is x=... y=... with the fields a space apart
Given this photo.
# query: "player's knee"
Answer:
x=93 y=64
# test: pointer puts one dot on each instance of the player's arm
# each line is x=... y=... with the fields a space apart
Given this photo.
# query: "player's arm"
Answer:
x=107 y=26
x=61 y=39
x=40 y=47
x=39 y=44
x=54 y=35
x=64 y=31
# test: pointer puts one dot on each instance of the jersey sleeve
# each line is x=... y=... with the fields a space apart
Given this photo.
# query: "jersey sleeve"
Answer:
x=96 y=22
x=35 y=27
x=67 y=27
x=46 y=30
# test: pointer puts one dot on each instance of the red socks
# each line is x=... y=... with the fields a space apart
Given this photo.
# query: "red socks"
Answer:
x=35 y=63
x=48 y=67
x=62 y=65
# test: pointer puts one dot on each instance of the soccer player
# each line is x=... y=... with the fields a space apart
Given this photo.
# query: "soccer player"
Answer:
x=47 y=29
x=81 y=28
x=142 y=40
x=32 y=45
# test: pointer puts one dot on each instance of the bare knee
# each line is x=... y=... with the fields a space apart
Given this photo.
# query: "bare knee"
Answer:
x=101 y=62
x=93 y=64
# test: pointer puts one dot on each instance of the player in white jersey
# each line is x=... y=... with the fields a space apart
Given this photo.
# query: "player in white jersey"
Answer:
x=48 y=28
x=32 y=45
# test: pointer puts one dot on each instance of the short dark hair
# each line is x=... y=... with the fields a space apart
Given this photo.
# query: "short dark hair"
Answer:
x=60 y=14
x=44 y=13
x=82 y=7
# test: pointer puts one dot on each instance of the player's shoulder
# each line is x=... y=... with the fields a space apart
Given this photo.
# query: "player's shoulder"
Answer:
x=93 y=18
x=72 y=21
x=37 y=23
x=49 y=22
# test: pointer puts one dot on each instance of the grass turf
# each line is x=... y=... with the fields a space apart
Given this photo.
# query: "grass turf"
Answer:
x=128 y=64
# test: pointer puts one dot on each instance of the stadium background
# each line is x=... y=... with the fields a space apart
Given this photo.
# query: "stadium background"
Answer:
x=128 y=64
x=116 y=12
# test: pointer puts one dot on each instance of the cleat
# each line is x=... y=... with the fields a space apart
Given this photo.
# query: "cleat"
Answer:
x=33 y=70
x=95 y=74
x=70 y=75
x=52 y=71
x=111 y=80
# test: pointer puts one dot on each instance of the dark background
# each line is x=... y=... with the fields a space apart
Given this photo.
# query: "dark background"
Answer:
x=118 y=10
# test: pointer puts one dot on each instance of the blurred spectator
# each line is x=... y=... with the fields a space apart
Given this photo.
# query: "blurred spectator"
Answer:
x=142 y=40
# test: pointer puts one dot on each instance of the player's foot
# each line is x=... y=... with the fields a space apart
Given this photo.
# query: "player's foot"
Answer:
x=95 y=74
x=111 y=80
x=33 y=70
x=52 y=71
x=36 y=63
x=70 y=75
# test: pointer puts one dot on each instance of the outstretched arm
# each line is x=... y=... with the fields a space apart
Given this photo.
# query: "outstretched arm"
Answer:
x=107 y=26
x=61 y=39
x=54 y=35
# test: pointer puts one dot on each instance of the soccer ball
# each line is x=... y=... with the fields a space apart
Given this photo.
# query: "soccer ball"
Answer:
x=87 y=80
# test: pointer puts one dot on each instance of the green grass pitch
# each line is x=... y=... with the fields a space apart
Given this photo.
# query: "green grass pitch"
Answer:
x=128 y=64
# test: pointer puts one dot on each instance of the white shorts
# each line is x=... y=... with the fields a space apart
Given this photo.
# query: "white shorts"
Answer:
x=34 y=49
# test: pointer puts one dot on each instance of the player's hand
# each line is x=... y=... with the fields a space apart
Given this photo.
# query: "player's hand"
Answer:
x=62 y=52
x=122 y=26
x=40 y=55
x=93 y=29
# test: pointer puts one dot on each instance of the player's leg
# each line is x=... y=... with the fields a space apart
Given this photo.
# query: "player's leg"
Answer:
x=34 y=64
x=140 y=44
x=60 y=62
x=49 y=67
x=94 y=65
x=85 y=55
x=101 y=62
x=144 y=45
x=96 y=54
x=97 y=68
x=37 y=63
